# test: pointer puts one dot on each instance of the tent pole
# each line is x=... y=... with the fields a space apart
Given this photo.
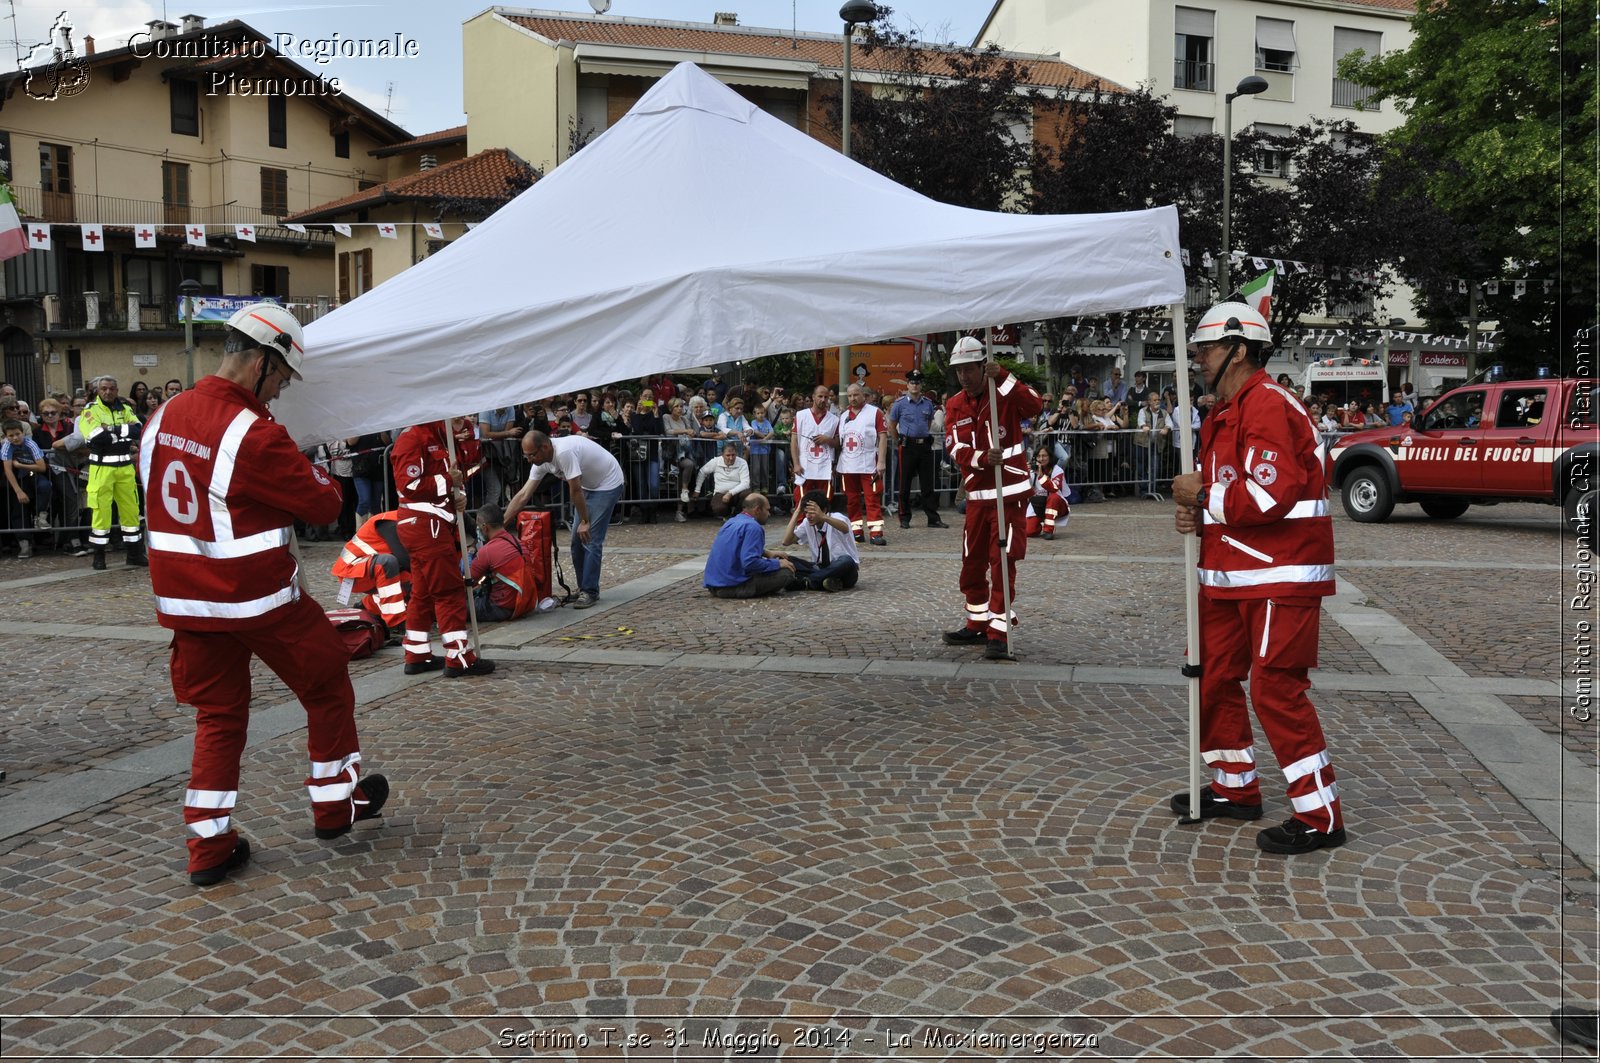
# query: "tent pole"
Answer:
x=1004 y=540
x=1191 y=575
x=461 y=534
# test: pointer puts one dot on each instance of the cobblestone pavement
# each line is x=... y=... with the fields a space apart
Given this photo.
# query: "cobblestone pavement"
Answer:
x=766 y=858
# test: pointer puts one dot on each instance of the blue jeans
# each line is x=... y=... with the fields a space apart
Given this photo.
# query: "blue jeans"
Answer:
x=847 y=571
x=586 y=556
x=369 y=496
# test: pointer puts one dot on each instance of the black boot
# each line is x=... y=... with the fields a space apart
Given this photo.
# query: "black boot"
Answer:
x=100 y=558
x=136 y=555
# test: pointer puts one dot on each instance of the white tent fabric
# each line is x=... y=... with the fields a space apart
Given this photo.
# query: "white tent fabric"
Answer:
x=700 y=229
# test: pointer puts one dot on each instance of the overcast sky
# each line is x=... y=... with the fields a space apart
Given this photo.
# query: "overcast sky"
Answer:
x=426 y=93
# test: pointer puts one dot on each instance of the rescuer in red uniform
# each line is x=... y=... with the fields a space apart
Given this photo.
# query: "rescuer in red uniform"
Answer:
x=432 y=492
x=967 y=440
x=1260 y=506
x=224 y=485
x=378 y=568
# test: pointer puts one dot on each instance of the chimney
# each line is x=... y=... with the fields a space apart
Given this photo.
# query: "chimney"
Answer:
x=193 y=23
x=428 y=162
x=88 y=46
x=725 y=18
x=160 y=30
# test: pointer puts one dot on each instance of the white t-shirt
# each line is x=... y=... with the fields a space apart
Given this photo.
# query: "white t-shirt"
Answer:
x=582 y=457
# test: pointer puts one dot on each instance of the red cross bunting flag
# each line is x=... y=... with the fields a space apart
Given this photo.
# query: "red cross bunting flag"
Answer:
x=195 y=235
x=245 y=232
x=434 y=230
x=94 y=238
x=13 y=238
x=341 y=228
x=144 y=236
x=387 y=232
x=38 y=237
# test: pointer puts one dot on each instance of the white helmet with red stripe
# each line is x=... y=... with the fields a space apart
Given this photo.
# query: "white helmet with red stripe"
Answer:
x=968 y=349
x=1232 y=321
x=273 y=327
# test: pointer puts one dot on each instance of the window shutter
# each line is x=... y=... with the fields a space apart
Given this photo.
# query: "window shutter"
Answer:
x=344 y=277
x=1346 y=41
x=1195 y=22
x=1275 y=34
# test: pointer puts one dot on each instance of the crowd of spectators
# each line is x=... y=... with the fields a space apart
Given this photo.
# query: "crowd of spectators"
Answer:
x=45 y=465
x=685 y=449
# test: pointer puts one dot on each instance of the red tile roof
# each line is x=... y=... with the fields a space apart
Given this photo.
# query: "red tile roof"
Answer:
x=424 y=140
x=827 y=51
x=481 y=176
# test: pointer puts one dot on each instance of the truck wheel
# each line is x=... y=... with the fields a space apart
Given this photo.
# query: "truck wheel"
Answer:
x=1367 y=498
x=1581 y=516
x=1444 y=508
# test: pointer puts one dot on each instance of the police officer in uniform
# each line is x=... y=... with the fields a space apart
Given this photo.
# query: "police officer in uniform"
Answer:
x=911 y=429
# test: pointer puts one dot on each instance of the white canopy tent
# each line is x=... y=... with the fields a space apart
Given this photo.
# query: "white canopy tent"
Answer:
x=697 y=230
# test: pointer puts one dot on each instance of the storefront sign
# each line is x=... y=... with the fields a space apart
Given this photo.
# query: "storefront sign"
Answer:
x=1400 y=358
x=1438 y=358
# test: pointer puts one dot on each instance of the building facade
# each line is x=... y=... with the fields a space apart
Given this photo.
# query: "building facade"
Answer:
x=172 y=159
x=1194 y=52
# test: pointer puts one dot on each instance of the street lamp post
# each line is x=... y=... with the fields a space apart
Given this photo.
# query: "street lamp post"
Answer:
x=1249 y=86
x=189 y=288
x=854 y=12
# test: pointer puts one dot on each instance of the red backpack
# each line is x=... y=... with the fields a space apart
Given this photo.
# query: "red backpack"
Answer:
x=363 y=633
x=535 y=531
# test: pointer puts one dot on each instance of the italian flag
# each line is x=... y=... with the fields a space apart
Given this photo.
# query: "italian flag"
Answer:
x=13 y=240
x=1258 y=293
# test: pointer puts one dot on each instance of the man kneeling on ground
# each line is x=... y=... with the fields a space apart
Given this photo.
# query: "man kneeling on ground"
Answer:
x=501 y=575
x=834 y=564
x=740 y=566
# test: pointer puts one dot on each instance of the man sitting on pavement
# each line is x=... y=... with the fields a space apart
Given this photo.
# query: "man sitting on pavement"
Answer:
x=730 y=481
x=834 y=563
x=739 y=565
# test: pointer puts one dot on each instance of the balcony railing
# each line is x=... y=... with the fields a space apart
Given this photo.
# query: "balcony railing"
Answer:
x=1349 y=94
x=1187 y=74
x=110 y=312
x=33 y=202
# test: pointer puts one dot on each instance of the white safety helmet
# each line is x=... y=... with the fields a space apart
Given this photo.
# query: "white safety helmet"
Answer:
x=1232 y=321
x=274 y=328
x=968 y=349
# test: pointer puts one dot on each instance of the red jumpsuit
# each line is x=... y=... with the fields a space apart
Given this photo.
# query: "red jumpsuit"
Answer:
x=1049 y=501
x=427 y=531
x=1266 y=560
x=224 y=484
x=383 y=595
x=966 y=440
x=859 y=435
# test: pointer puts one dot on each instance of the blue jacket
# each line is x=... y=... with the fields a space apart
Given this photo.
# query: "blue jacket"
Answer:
x=736 y=553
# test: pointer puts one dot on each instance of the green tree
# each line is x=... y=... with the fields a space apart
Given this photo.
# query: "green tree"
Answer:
x=940 y=120
x=1500 y=97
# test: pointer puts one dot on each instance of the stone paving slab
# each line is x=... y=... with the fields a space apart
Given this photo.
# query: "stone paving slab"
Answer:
x=681 y=842
x=662 y=850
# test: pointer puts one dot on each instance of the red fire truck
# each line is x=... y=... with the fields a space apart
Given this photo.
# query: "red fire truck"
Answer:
x=1505 y=441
